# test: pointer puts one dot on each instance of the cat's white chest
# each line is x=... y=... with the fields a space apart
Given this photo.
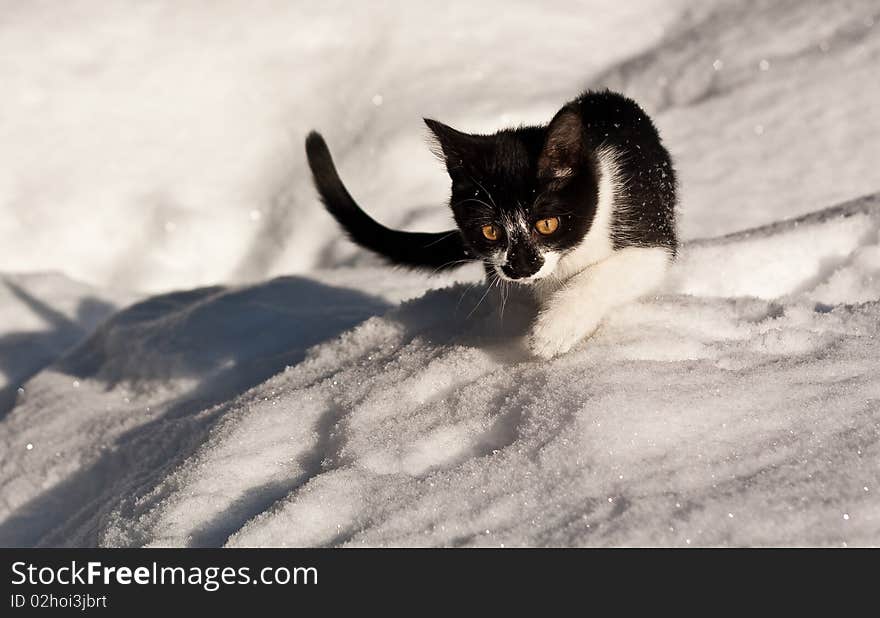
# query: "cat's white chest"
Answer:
x=593 y=278
x=597 y=245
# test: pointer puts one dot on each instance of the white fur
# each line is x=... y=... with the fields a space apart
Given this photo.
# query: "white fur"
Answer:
x=576 y=290
x=551 y=260
x=523 y=223
x=575 y=310
x=592 y=279
x=597 y=245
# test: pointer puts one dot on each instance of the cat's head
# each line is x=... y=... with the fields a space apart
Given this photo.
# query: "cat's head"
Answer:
x=522 y=198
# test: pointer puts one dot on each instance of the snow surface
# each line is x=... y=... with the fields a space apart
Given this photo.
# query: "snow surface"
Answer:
x=741 y=406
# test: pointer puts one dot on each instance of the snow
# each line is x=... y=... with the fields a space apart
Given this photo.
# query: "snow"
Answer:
x=346 y=405
x=174 y=132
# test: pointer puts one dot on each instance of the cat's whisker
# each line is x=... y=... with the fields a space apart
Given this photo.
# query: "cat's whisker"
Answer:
x=466 y=290
x=505 y=292
x=480 y=302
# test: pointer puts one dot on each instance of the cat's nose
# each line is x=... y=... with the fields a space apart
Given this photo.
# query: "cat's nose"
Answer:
x=521 y=264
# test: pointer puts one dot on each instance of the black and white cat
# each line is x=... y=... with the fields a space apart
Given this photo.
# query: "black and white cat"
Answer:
x=581 y=210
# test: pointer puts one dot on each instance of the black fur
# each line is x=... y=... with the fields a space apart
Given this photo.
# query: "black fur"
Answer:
x=646 y=213
x=527 y=174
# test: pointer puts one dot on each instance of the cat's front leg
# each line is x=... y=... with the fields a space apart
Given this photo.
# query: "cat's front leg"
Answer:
x=575 y=311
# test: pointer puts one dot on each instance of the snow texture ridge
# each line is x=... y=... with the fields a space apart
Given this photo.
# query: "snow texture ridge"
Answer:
x=739 y=409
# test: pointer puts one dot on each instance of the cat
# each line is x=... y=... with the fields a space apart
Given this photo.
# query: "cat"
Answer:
x=581 y=210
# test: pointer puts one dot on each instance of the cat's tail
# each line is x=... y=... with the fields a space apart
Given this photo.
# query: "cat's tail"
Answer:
x=437 y=251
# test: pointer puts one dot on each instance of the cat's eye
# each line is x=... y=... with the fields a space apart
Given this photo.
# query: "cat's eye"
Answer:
x=490 y=232
x=547 y=226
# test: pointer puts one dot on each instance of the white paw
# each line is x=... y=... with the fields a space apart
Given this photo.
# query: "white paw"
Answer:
x=555 y=332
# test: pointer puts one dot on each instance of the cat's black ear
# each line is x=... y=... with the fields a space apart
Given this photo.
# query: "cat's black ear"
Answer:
x=563 y=153
x=452 y=146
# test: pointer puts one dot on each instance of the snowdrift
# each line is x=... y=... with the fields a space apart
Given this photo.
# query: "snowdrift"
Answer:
x=740 y=406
